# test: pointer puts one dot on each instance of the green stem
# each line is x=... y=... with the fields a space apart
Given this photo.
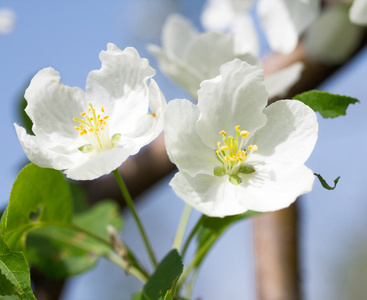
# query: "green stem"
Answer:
x=182 y=227
x=192 y=234
x=113 y=257
x=130 y=204
x=196 y=261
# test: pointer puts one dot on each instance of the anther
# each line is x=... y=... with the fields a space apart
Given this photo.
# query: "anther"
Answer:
x=253 y=147
x=244 y=133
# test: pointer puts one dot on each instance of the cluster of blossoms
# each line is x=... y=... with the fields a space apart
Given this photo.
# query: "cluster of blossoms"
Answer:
x=282 y=21
x=189 y=58
x=233 y=153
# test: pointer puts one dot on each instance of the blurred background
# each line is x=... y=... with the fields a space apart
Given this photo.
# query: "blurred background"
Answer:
x=68 y=35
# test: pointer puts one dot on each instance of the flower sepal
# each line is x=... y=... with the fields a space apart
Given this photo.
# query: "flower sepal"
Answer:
x=246 y=170
x=235 y=179
x=219 y=172
x=86 y=148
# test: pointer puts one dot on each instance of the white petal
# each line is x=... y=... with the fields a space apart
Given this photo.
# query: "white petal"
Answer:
x=332 y=38
x=184 y=146
x=43 y=156
x=177 y=33
x=178 y=70
x=217 y=15
x=217 y=197
x=208 y=52
x=289 y=135
x=213 y=196
x=241 y=5
x=278 y=26
x=151 y=124
x=121 y=86
x=358 y=12
x=52 y=106
x=246 y=40
x=98 y=165
x=277 y=191
x=236 y=97
x=280 y=82
x=284 y=20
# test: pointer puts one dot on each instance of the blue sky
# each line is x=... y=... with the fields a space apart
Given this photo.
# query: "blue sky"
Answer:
x=68 y=35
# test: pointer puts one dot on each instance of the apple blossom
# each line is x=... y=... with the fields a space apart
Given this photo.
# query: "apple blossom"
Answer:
x=235 y=154
x=188 y=57
x=282 y=20
x=89 y=134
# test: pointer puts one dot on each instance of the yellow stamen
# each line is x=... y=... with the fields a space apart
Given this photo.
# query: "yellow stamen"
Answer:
x=96 y=129
x=244 y=134
x=230 y=153
x=253 y=147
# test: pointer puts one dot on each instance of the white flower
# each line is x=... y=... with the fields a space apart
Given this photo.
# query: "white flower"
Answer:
x=282 y=20
x=7 y=20
x=358 y=12
x=235 y=154
x=89 y=134
x=188 y=57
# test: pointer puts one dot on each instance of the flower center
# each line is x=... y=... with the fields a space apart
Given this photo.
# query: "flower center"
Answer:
x=232 y=157
x=94 y=129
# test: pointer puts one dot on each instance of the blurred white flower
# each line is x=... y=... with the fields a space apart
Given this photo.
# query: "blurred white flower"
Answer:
x=235 y=154
x=188 y=57
x=282 y=20
x=89 y=134
x=7 y=20
x=358 y=12
x=332 y=38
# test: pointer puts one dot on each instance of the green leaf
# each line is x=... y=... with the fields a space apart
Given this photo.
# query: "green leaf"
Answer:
x=218 y=225
x=162 y=283
x=137 y=296
x=14 y=273
x=327 y=104
x=40 y=208
x=61 y=252
x=324 y=183
x=39 y=197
